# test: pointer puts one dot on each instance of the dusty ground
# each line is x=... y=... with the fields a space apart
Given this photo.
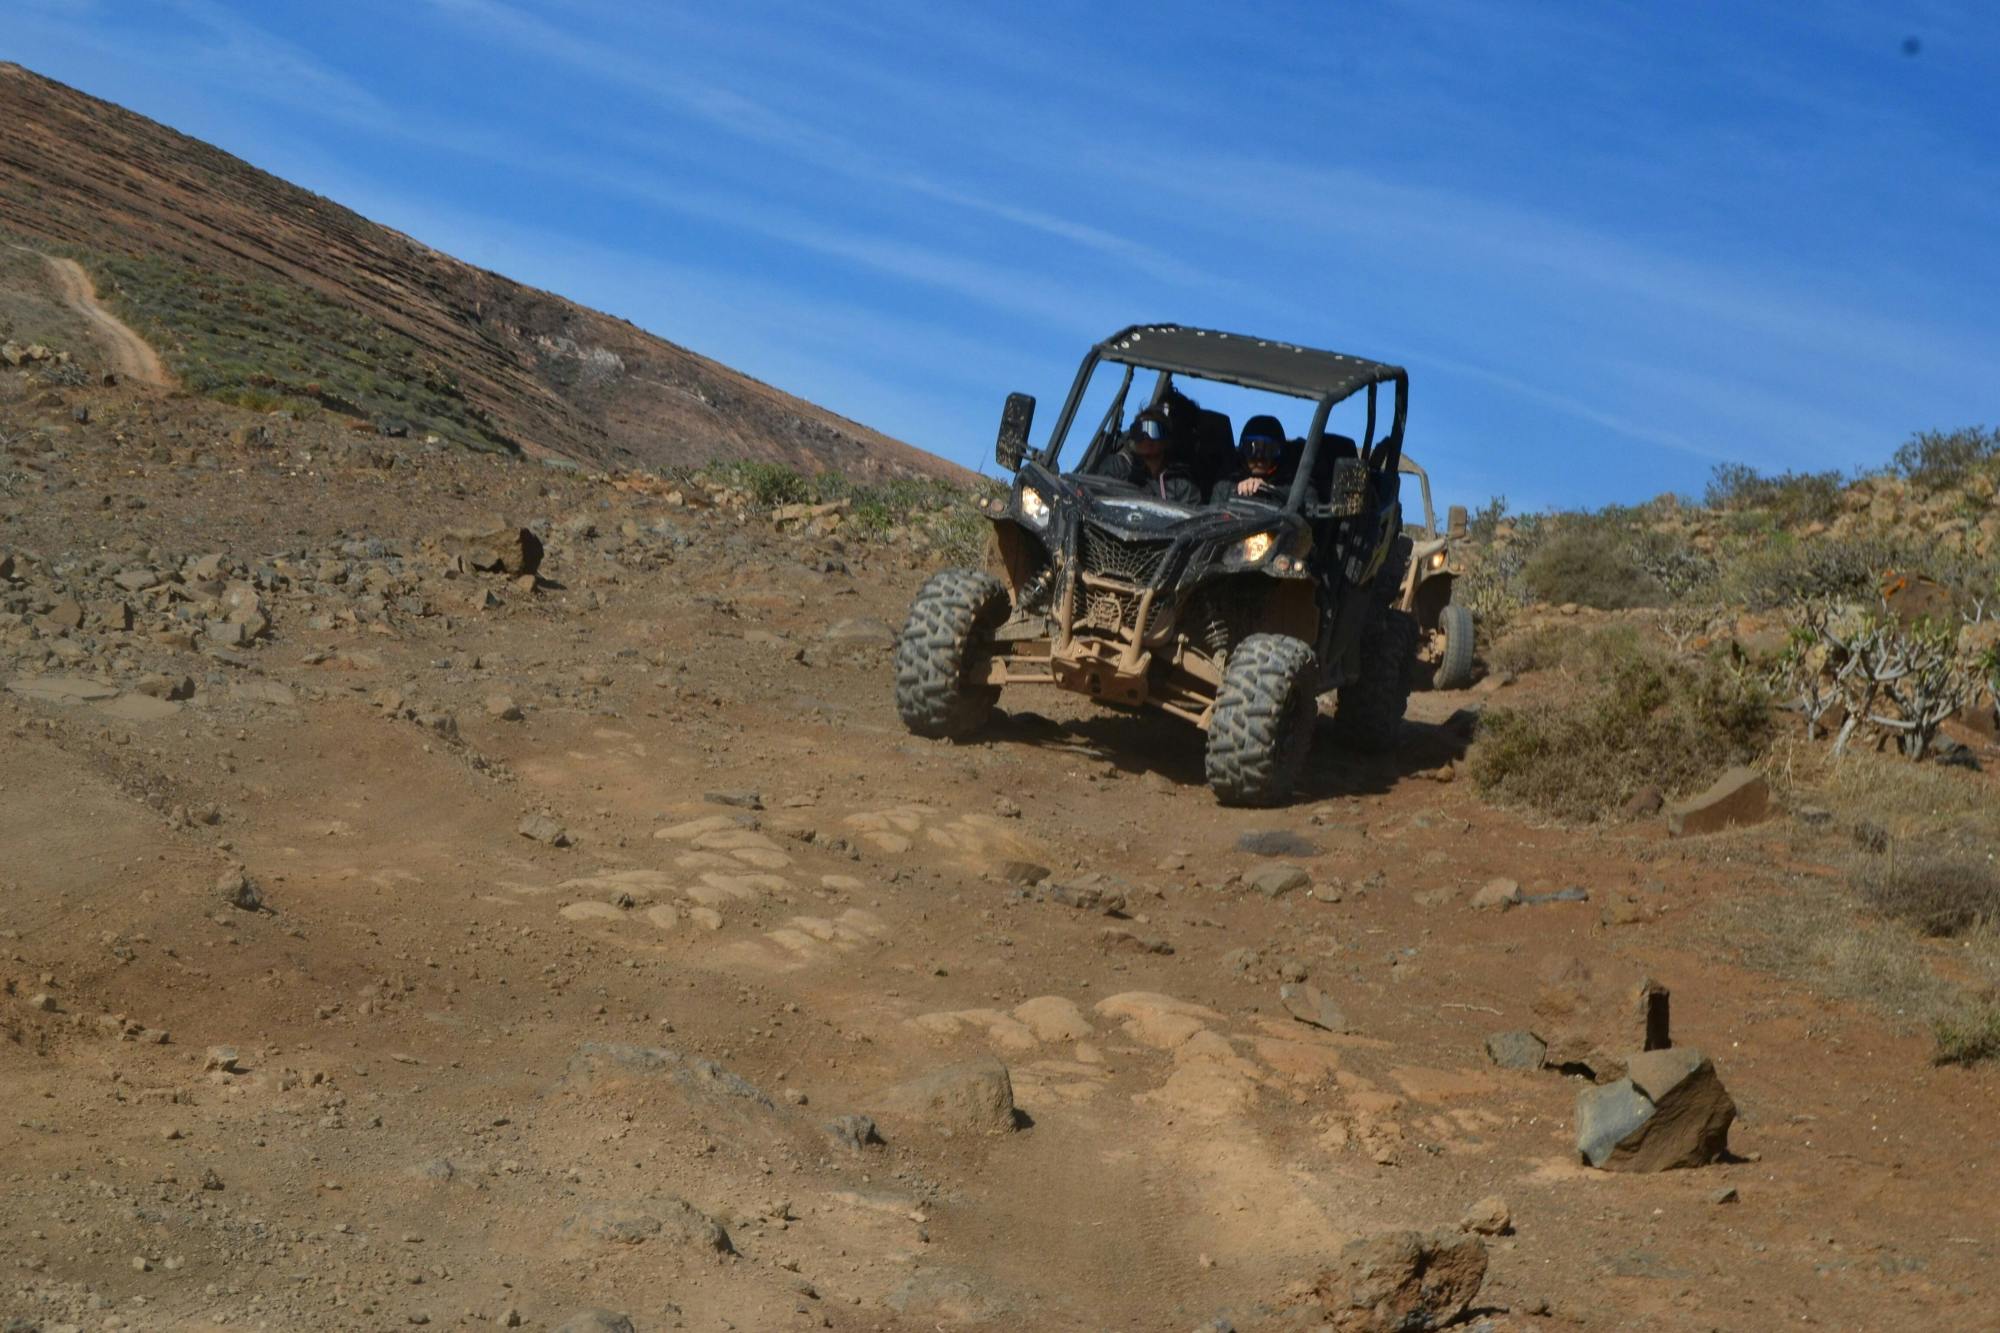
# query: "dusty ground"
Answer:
x=479 y=1076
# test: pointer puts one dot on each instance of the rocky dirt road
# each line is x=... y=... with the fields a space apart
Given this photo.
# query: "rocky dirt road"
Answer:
x=387 y=943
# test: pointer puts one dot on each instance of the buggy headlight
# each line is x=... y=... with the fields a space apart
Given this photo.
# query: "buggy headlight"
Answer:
x=1437 y=560
x=1033 y=507
x=1255 y=547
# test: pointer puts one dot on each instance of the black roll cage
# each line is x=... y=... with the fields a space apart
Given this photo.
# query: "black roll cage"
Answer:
x=1381 y=455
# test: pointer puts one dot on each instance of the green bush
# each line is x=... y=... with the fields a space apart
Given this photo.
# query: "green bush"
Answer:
x=1783 y=570
x=1793 y=498
x=1645 y=720
x=1941 y=460
x=1591 y=566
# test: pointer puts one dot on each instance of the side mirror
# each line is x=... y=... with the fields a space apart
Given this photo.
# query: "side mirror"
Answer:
x=1015 y=418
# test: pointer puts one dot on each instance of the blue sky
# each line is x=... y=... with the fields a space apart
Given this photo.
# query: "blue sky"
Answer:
x=1615 y=243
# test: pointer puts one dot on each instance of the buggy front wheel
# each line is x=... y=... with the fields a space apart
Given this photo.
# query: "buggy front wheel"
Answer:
x=1262 y=727
x=946 y=640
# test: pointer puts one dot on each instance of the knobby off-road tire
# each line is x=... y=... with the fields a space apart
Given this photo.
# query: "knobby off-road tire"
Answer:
x=1263 y=723
x=951 y=621
x=1369 y=716
x=1454 y=671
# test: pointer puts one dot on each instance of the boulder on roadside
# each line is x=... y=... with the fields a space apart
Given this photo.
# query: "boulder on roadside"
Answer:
x=1275 y=881
x=1589 y=1022
x=1402 y=1281
x=1669 y=1111
x=511 y=551
x=1737 y=798
x=1497 y=895
x=543 y=829
x=1488 y=1217
x=975 y=1098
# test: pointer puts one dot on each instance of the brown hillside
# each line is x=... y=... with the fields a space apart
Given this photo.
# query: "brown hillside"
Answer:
x=546 y=375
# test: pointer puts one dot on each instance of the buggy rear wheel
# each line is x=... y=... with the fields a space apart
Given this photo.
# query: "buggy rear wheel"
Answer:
x=1454 y=671
x=949 y=632
x=1369 y=716
x=1262 y=728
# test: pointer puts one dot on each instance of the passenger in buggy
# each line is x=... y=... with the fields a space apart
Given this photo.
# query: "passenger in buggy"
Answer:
x=1148 y=460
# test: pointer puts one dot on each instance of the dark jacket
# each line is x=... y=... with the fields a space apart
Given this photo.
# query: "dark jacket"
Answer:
x=1173 y=484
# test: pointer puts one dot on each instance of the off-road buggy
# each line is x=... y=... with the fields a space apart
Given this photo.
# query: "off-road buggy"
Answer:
x=1236 y=614
x=1430 y=594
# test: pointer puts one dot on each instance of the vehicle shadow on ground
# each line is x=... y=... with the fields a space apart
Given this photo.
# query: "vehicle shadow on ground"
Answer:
x=1141 y=743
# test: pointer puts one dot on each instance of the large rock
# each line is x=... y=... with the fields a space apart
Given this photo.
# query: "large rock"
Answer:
x=1739 y=797
x=1588 y=1023
x=1669 y=1111
x=511 y=551
x=1402 y=1281
x=975 y=1098
x=634 y=1224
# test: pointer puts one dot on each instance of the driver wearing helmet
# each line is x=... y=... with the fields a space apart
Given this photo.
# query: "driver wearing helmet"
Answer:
x=1262 y=457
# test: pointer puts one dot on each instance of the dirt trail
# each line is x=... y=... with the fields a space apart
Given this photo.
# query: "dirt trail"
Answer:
x=131 y=356
x=470 y=1072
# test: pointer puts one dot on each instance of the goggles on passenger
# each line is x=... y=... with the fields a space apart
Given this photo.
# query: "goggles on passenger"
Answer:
x=1150 y=428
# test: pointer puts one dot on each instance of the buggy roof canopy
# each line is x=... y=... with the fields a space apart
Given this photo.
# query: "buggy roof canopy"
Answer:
x=1253 y=363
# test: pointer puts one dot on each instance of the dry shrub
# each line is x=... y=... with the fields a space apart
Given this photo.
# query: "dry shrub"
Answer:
x=1967 y=1034
x=1591 y=566
x=1943 y=894
x=1644 y=721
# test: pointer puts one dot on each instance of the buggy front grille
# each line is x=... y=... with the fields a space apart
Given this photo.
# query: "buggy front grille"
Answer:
x=1108 y=610
x=1113 y=557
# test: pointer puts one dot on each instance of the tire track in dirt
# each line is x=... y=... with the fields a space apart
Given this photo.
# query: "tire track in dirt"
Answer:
x=131 y=356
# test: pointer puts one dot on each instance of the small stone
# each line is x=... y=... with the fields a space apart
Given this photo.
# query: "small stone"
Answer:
x=543 y=829
x=209 y=1180
x=1489 y=1217
x=141 y=1264
x=238 y=890
x=1312 y=1006
x=596 y=1321
x=1025 y=873
x=1727 y=1194
x=222 y=1059
x=43 y=1002
x=741 y=798
x=503 y=707
x=1275 y=881
x=853 y=1131
x=1497 y=895
x=1516 y=1049
x=861 y=630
